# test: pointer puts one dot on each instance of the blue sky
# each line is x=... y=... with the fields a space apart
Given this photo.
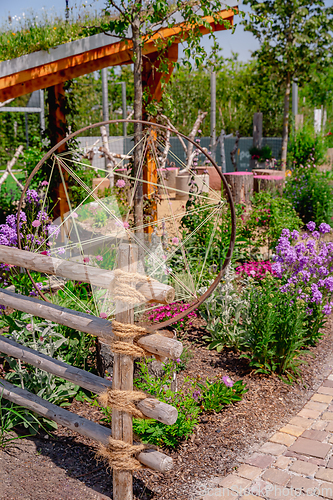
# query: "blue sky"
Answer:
x=241 y=42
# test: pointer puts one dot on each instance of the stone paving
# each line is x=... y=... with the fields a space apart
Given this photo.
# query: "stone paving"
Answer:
x=297 y=461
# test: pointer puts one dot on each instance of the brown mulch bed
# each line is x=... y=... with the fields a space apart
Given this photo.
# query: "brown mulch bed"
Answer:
x=65 y=467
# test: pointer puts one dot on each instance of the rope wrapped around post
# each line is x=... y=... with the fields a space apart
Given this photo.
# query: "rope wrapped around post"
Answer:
x=126 y=334
x=123 y=401
x=123 y=290
x=121 y=455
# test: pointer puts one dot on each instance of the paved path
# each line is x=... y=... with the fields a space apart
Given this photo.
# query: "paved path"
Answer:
x=297 y=461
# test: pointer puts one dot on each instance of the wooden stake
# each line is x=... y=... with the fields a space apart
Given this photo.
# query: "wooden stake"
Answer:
x=123 y=367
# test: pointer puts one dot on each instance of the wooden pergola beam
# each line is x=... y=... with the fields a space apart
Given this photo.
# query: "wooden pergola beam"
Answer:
x=46 y=75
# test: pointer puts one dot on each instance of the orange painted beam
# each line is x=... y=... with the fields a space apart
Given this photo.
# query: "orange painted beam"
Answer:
x=115 y=54
x=152 y=78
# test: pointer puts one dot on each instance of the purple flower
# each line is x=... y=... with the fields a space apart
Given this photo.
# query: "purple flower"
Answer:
x=175 y=241
x=61 y=250
x=311 y=226
x=227 y=381
x=324 y=228
x=178 y=360
x=32 y=196
x=196 y=395
x=120 y=183
x=327 y=309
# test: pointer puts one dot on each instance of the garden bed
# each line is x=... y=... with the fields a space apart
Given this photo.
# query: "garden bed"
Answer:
x=214 y=449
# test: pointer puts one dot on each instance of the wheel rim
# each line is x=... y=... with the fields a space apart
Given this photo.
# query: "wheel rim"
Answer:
x=212 y=286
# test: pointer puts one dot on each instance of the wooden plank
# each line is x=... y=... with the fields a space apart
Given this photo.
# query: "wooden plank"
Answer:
x=156 y=344
x=155 y=460
x=46 y=75
x=123 y=369
x=150 y=407
x=152 y=290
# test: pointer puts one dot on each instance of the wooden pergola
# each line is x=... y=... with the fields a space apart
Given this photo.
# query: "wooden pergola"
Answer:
x=40 y=70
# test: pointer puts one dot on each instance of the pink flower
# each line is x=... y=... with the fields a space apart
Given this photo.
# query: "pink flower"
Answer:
x=99 y=258
x=120 y=183
x=45 y=252
x=36 y=223
x=103 y=315
x=86 y=259
x=74 y=215
x=175 y=241
x=126 y=224
x=29 y=327
x=227 y=381
x=44 y=183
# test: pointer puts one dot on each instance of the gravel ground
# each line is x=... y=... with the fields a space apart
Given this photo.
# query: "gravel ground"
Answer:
x=64 y=467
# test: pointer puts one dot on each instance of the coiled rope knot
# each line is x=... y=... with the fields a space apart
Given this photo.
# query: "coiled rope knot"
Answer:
x=122 y=287
x=124 y=334
x=121 y=455
x=123 y=401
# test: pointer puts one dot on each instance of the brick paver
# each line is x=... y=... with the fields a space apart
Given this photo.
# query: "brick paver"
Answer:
x=296 y=462
x=310 y=447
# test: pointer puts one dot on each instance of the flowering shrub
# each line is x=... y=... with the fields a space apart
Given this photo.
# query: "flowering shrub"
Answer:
x=306 y=262
x=36 y=230
x=164 y=313
x=256 y=270
x=263 y=224
x=310 y=193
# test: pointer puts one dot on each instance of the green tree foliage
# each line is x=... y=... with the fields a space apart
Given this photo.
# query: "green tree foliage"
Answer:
x=295 y=36
x=240 y=92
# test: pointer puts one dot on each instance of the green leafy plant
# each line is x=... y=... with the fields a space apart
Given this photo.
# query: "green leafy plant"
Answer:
x=222 y=312
x=310 y=193
x=261 y=154
x=263 y=223
x=191 y=399
x=11 y=417
x=188 y=410
x=305 y=146
x=213 y=396
x=275 y=329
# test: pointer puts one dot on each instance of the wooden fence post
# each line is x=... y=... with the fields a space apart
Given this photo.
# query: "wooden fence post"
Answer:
x=123 y=368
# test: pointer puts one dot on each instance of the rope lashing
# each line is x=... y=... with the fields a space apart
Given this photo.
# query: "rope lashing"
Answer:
x=120 y=455
x=123 y=401
x=123 y=335
x=122 y=287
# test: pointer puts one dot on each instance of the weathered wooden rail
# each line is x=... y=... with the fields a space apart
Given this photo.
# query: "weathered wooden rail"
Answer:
x=154 y=343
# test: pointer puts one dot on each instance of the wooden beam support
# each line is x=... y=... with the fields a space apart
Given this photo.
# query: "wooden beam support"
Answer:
x=152 y=290
x=115 y=54
x=155 y=343
x=150 y=407
x=153 y=459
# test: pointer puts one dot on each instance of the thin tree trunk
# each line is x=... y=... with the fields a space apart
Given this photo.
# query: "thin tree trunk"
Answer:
x=137 y=59
x=285 y=124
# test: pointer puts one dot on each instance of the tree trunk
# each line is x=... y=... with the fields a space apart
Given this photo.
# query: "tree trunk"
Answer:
x=137 y=60
x=285 y=124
